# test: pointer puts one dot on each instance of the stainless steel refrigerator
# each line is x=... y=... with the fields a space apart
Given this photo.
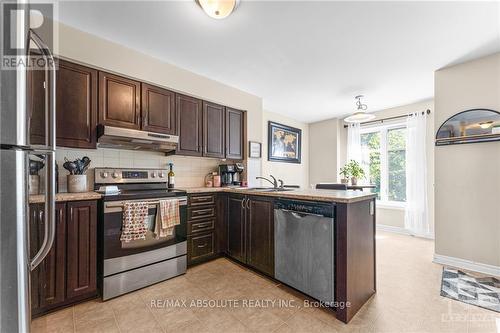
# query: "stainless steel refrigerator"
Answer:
x=15 y=263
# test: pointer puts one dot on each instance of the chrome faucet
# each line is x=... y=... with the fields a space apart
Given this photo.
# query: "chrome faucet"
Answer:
x=274 y=182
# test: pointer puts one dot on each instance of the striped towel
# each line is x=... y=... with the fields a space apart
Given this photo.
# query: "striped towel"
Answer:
x=134 y=224
x=167 y=217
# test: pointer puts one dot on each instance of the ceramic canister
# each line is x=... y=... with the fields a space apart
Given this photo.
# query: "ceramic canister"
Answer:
x=77 y=183
x=34 y=184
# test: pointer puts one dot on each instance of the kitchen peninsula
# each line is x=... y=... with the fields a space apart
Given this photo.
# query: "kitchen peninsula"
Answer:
x=245 y=225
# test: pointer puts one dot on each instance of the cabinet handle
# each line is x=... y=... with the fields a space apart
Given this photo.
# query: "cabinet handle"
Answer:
x=203 y=198
x=202 y=212
x=202 y=225
x=200 y=246
x=243 y=203
x=248 y=203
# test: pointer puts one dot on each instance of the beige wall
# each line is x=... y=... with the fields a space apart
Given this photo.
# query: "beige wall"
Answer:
x=89 y=49
x=290 y=173
x=323 y=151
x=468 y=176
x=328 y=153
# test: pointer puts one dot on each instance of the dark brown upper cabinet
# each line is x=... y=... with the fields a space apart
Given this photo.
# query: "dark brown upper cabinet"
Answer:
x=234 y=134
x=189 y=125
x=158 y=110
x=76 y=105
x=213 y=130
x=119 y=101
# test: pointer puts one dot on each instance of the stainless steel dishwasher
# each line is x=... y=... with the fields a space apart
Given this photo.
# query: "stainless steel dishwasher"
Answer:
x=304 y=247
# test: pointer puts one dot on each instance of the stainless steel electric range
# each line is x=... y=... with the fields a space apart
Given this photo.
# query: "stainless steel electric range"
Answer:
x=124 y=267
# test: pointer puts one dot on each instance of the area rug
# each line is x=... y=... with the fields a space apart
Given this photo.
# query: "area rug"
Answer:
x=471 y=288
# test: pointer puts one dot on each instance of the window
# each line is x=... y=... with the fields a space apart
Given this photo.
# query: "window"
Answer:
x=383 y=158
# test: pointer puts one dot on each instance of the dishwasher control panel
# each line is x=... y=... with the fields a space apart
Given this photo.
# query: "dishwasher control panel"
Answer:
x=324 y=209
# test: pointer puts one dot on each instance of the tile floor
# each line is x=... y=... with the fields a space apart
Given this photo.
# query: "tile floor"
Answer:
x=407 y=300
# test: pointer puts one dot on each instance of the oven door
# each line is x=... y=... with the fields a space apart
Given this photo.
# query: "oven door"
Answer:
x=112 y=229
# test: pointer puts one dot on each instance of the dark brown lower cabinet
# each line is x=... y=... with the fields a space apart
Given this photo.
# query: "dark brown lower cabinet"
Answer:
x=260 y=234
x=236 y=227
x=68 y=273
x=202 y=228
x=47 y=280
x=82 y=244
x=250 y=235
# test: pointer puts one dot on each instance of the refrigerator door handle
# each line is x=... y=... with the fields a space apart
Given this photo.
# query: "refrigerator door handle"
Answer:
x=50 y=209
x=50 y=92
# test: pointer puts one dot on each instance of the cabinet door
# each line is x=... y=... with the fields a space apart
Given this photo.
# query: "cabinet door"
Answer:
x=47 y=280
x=81 y=253
x=119 y=101
x=260 y=234
x=158 y=110
x=213 y=130
x=76 y=105
x=236 y=228
x=234 y=134
x=189 y=125
x=221 y=223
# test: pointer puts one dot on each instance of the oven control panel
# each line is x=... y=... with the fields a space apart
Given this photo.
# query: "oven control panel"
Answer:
x=117 y=176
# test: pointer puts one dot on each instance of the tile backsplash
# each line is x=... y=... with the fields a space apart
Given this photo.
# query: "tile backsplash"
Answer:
x=189 y=171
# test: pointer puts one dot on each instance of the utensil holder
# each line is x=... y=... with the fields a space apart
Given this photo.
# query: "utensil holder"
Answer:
x=77 y=183
x=34 y=184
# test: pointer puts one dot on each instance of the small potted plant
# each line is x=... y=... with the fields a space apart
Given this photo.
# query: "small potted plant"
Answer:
x=356 y=171
x=345 y=173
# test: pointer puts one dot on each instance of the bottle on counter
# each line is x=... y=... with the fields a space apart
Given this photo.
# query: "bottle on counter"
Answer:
x=171 y=176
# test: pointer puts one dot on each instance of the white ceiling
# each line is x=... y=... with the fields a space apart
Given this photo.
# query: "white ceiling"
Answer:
x=305 y=59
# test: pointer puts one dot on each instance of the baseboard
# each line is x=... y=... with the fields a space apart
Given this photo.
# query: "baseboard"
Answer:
x=401 y=231
x=467 y=264
x=393 y=229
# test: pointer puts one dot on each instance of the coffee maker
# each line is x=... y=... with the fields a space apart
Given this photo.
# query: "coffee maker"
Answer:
x=230 y=174
x=238 y=167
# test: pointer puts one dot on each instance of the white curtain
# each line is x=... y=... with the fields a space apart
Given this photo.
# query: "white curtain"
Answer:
x=416 y=212
x=354 y=142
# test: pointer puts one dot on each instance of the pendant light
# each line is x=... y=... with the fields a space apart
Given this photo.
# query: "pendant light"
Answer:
x=360 y=115
x=218 y=9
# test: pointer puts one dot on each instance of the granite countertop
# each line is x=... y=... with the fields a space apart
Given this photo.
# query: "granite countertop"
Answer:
x=40 y=198
x=349 y=196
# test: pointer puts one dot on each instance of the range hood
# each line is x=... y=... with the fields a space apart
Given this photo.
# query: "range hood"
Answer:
x=124 y=138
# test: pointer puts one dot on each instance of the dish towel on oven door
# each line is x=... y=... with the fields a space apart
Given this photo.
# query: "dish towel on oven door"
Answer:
x=134 y=224
x=167 y=217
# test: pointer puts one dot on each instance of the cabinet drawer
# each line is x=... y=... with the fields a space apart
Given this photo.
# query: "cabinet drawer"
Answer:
x=200 y=226
x=201 y=213
x=201 y=246
x=199 y=200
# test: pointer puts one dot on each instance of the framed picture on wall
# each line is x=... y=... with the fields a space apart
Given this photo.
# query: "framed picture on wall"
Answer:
x=283 y=143
x=255 y=149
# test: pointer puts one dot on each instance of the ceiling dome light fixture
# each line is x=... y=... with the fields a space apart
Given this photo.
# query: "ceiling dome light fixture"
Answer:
x=218 y=9
x=360 y=115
